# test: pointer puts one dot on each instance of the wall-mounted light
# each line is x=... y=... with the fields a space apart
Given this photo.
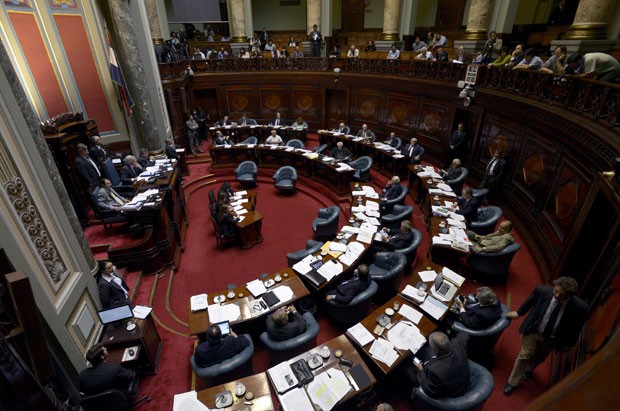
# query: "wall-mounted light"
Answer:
x=336 y=74
x=467 y=93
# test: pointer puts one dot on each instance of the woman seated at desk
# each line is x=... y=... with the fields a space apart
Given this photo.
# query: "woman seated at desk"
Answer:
x=300 y=124
x=227 y=222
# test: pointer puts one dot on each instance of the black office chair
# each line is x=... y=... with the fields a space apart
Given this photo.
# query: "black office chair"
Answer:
x=457 y=183
x=111 y=400
x=296 y=143
x=110 y=172
x=285 y=179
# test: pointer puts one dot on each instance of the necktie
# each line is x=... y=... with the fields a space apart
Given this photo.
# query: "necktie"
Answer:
x=116 y=198
x=548 y=331
x=411 y=151
x=490 y=166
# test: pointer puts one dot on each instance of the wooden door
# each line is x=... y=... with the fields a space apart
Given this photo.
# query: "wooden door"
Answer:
x=449 y=15
x=353 y=15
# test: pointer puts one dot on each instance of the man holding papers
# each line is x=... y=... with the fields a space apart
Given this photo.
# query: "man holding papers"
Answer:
x=340 y=152
x=346 y=291
x=494 y=242
x=214 y=349
x=446 y=374
x=285 y=323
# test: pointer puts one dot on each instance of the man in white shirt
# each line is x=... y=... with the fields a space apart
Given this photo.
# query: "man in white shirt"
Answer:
x=353 y=52
x=274 y=138
x=601 y=66
x=394 y=53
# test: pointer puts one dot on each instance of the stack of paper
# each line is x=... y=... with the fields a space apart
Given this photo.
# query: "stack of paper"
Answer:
x=384 y=351
x=284 y=293
x=198 y=302
x=303 y=266
x=427 y=276
x=328 y=388
x=434 y=307
x=406 y=336
x=142 y=311
x=219 y=313
x=282 y=377
x=330 y=269
x=410 y=313
x=256 y=287
x=296 y=400
x=453 y=277
x=412 y=293
x=360 y=334
x=188 y=401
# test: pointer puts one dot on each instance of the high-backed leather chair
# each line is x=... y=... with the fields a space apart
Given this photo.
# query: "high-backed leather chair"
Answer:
x=493 y=264
x=386 y=271
x=481 y=342
x=399 y=143
x=110 y=172
x=326 y=225
x=250 y=140
x=410 y=250
x=282 y=350
x=285 y=179
x=320 y=149
x=107 y=217
x=457 y=183
x=246 y=173
x=388 y=205
x=362 y=168
x=296 y=256
x=481 y=385
x=296 y=143
x=237 y=366
x=480 y=194
x=487 y=220
x=349 y=314
x=112 y=400
x=398 y=214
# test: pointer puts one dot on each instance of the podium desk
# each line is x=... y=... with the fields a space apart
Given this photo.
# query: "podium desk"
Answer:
x=145 y=336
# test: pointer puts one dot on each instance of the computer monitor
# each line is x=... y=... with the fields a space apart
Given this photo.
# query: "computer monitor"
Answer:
x=115 y=314
x=438 y=281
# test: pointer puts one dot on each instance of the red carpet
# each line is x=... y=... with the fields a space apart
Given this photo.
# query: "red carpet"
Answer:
x=287 y=225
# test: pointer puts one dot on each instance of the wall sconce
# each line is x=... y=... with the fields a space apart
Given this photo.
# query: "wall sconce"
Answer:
x=336 y=74
x=190 y=71
x=467 y=93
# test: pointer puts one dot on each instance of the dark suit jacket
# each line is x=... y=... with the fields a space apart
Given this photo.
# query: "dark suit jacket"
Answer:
x=569 y=327
x=223 y=123
x=100 y=154
x=226 y=225
x=498 y=171
x=343 y=154
x=276 y=119
x=105 y=376
x=392 y=192
x=171 y=152
x=345 y=130
x=145 y=161
x=128 y=172
x=295 y=326
x=443 y=56
x=418 y=150
x=347 y=291
x=86 y=171
x=453 y=173
x=469 y=208
x=458 y=140
x=400 y=240
x=207 y=354
x=447 y=375
x=111 y=294
x=478 y=317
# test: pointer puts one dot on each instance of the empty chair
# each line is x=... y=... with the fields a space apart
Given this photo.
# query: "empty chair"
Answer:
x=285 y=179
x=480 y=194
x=410 y=250
x=239 y=365
x=457 y=183
x=398 y=214
x=386 y=271
x=320 y=149
x=399 y=143
x=294 y=142
x=349 y=314
x=487 y=220
x=283 y=350
x=246 y=173
x=326 y=225
x=493 y=264
x=389 y=204
x=107 y=217
x=362 y=168
x=481 y=385
x=250 y=140
x=296 y=256
x=481 y=342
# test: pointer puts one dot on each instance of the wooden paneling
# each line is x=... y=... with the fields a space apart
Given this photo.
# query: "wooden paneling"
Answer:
x=306 y=102
x=401 y=113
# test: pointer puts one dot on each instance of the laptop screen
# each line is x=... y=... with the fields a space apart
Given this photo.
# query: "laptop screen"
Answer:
x=114 y=314
x=224 y=327
x=438 y=281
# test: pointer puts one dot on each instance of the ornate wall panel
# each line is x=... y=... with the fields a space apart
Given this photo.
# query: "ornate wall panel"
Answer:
x=306 y=103
x=533 y=169
x=402 y=113
x=366 y=107
x=273 y=99
x=497 y=133
x=238 y=101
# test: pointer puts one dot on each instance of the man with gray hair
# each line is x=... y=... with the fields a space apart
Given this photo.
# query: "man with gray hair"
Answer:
x=555 y=316
x=481 y=314
x=446 y=374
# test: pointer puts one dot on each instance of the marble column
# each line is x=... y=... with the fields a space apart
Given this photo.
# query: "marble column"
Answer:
x=313 y=15
x=591 y=20
x=478 y=19
x=130 y=60
x=391 y=20
x=236 y=14
x=153 y=16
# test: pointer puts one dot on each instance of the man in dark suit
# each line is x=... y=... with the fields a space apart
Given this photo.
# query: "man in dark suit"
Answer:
x=171 y=152
x=453 y=172
x=215 y=348
x=131 y=170
x=145 y=160
x=441 y=55
x=346 y=291
x=458 y=143
x=113 y=291
x=366 y=133
x=446 y=374
x=285 y=323
x=391 y=140
x=394 y=239
x=86 y=168
x=414 y=151
x=103 y=376
x=494 y=172
x=392 y=189
x=482 y=314
x=342 y=128
x=340 y=152
x=556 y=316
x=223 y=122
x=315 y=39
x=278 y=121
x=469 y=205
x=98 y=152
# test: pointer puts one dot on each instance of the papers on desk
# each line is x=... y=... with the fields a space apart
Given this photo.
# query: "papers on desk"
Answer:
x=406 y=336
x=241 y=193
x=412 y=293
x=440 y=211
x=384 y=351
x=198 y=302
x=328 y=159
x=453 y=277
x=328 y=388
x=303 y=266
x=284 y=293
x=188 y=401
x=427 y=276
x=354 y=249
x=439 y=240
x=330 y=269
x=342 y=167
x=241 y=212
x=456 y=223
x=360 y=334
x=238 y=207
x=312 y=156
x=333 y=246
x=142 y=311
x=282 y=377
x=459 y=234
x=410 y=313
x=457 y=217
x=296 y=400
x=219 y=313
x=434 y=307
x=240 y=218
x=256 y=287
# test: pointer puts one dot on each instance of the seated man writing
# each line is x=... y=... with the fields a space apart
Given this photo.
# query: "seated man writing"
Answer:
x=494 y=242
x=446 y=373
x=483 y=313
x=346 y=291
x=394 y=239
x=215 y=348
x=102 y=376
x=285 y=323
x=340 y=152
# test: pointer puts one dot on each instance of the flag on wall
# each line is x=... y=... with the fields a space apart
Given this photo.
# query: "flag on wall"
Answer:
x=117 y=77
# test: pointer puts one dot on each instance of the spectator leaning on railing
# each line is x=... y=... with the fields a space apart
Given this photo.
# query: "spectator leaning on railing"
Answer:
x=600 y=66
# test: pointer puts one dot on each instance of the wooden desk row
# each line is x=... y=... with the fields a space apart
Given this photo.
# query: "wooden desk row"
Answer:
x=261 y=132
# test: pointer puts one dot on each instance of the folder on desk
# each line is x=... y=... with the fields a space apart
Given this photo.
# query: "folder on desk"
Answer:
x=359 y=376
x=271 y=299
x=315 y=278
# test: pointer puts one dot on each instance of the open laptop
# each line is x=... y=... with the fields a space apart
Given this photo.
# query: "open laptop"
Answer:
x=443 y=289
